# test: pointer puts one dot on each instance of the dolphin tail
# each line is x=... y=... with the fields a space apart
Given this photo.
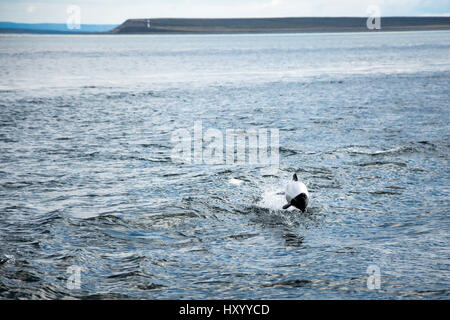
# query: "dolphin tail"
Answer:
x=294 y=177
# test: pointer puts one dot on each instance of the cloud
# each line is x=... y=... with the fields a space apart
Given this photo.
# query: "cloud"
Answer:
x=115 y=11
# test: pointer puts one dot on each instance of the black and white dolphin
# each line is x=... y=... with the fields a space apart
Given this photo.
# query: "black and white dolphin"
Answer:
x=297 y=194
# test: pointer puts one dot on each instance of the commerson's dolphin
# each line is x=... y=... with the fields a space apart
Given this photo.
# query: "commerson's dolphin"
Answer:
x=296 y=194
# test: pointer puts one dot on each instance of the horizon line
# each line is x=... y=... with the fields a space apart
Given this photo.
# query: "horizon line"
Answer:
x=445 y=15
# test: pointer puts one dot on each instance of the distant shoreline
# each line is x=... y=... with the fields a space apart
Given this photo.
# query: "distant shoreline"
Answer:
x=238 y=26
x=278 y=25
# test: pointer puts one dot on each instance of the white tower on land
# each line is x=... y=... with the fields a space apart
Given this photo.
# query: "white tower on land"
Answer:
x=148 y=23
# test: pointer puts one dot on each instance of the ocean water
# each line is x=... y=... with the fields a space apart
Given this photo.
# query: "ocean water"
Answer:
x=88 y=183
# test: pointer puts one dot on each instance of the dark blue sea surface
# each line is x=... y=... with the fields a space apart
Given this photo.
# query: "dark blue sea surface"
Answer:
x=87 y=179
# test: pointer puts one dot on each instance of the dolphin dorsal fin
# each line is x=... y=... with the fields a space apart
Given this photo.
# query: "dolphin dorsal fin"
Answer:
x=294 y=177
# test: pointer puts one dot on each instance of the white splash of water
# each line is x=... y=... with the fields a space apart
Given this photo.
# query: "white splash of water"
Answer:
x=272 y=197
x=235 y=182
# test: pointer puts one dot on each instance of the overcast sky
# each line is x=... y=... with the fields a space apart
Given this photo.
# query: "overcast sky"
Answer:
x=115 y=12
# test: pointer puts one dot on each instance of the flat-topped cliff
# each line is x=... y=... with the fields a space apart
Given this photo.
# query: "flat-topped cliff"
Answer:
x=263 y=25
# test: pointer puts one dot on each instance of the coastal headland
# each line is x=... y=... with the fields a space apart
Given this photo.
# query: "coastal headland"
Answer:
x=279 y=25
